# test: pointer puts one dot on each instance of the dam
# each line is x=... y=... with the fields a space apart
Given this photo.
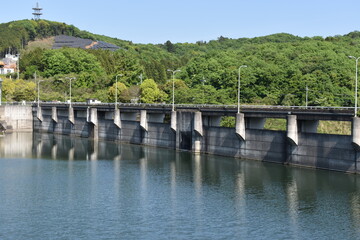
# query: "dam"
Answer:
x=197 y=129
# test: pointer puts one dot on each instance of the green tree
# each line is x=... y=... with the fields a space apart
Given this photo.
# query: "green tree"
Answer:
x=150 y=92
x=112 y=91
x=121 y=61
x=169 y=46
x=55 y=62
x=18 y=90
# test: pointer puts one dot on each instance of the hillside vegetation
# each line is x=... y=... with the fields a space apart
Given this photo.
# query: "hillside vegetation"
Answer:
x=280 y=68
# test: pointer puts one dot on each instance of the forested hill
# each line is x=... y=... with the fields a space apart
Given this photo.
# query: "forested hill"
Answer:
x=16 y=35
x=280 y=67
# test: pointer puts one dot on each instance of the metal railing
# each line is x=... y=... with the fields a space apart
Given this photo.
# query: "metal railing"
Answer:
x=23 y=103
x=209 y=106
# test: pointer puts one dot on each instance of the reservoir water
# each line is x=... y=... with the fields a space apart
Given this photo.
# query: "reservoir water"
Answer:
x=57 y=187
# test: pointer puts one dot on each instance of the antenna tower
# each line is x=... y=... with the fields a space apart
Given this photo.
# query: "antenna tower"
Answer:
x=37 y=12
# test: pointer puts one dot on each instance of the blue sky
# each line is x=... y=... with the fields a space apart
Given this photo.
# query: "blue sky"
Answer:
x=183 y=21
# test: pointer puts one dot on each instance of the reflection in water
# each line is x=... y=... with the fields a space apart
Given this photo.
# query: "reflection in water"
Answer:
x=17 y=145
x=198 y=190
x=292 y=197
x=355 y=211
x=240 y=196
x=54 y=150
x=143 y=179
x=97 y=189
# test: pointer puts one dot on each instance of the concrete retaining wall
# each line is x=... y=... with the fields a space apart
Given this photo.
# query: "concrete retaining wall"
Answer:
x=16 y=118
x=263 y=145
x=333 y=152
x=160 y=135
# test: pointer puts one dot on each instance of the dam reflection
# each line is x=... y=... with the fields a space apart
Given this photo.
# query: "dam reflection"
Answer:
x=291 y=197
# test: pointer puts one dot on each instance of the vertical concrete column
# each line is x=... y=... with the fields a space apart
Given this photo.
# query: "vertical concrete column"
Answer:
x=292 y=129
x=355 y=133
x=95 y=121
x=117 y=118
x=255 y=123
x=88 y=114
x=198 y=129
x=143 y=120
x=144 y=125
x=173 y=120
x=39 y=114
x=54 y=115
x=240 y=126
x=309 y=126
x=94 y=116
x=71 y=115
x=198 y=124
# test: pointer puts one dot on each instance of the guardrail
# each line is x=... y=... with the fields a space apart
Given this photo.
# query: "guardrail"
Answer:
x=23 y=103
x=210 y=106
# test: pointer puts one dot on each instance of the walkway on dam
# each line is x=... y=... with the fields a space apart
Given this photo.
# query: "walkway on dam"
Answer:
x=264 y=111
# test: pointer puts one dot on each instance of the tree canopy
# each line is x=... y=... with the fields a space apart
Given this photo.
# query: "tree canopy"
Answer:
x=282 y=68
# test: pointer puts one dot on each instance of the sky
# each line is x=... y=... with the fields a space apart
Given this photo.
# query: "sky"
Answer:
x=157 y=21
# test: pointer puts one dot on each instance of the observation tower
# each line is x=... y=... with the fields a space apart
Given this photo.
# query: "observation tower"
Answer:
x=37 y=12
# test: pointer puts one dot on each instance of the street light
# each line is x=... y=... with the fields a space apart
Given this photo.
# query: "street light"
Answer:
x=203 y=81
x=173 y=87
x=306 y=96
x=141 y=80
x=38 y=82
x=119 y=75
x=70 y=78
x=356 y=82
x=1 y=81
x=238 y=107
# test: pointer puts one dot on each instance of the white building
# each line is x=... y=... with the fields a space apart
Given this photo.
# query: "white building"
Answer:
x=5 y=69
x=10 y=59
x=9 y=64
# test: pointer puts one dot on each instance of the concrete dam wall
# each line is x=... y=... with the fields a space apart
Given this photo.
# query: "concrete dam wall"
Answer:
x=200 y=132
x=16 y=118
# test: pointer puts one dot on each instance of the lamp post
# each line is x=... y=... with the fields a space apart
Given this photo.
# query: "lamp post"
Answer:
x=173 y=87
x=116 y=90
x=356 y=82
x=38 y=82
x=141 y=80
x=306 y=96
x=238 y=104
x=1 y=81
x=70 y=78
x=203 y=81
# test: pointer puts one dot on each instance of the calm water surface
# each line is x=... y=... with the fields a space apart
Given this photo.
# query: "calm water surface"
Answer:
x=56 y=187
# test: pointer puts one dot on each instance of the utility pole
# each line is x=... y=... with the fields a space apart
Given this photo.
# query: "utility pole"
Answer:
x=307 y=94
